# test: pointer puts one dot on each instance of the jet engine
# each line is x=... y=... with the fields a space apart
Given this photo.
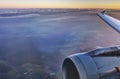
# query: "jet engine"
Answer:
x=101 y=63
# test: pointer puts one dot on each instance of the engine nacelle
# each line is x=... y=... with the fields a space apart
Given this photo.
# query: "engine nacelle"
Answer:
x=101 y=63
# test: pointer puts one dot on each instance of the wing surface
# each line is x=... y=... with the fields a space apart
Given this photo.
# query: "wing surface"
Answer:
x=113 y=22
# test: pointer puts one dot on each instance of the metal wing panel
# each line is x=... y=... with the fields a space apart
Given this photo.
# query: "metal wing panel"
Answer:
x=114 y=23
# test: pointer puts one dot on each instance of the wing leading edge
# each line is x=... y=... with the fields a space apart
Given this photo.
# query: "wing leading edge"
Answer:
x=114 y=23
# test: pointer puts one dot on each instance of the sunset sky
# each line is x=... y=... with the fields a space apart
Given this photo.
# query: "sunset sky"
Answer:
x=60 y=4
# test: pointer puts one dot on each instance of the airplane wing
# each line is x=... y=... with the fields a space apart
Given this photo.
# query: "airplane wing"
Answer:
x=114 y=23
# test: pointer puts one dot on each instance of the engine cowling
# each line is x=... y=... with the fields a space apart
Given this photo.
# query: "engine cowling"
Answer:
x=101 y=63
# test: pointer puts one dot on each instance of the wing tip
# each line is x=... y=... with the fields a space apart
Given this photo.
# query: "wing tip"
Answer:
x=103 y=12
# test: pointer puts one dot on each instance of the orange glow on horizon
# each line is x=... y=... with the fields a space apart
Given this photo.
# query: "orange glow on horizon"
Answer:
x=49 y=5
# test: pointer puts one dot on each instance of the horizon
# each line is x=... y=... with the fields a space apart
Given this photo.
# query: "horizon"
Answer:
x=60 y=4
x=59 y=8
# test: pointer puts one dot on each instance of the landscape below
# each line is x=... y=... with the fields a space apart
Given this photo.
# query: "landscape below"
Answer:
x=34 y=42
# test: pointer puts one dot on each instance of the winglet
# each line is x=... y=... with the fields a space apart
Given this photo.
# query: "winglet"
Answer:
x=103 y=12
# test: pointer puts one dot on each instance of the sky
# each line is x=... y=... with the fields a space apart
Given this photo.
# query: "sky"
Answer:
x=60 y=4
